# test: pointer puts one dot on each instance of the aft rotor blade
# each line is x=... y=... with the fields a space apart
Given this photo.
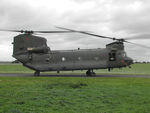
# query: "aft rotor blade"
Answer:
x=52 y=31
x=11 y=30
x=87 y=33
x=32 y=32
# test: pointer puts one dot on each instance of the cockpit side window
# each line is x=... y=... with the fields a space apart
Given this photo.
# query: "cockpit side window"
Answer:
x=124 y=54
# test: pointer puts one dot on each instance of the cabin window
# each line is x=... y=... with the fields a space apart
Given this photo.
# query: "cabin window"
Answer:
x=79 y=58
x=112 y=56
x=96 y=58
x=63 y=59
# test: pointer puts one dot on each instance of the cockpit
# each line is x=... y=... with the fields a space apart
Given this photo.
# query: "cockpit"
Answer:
x=124 y=54
x=126 y=59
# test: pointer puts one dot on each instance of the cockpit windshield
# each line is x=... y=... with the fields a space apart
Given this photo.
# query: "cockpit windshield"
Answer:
x=124 y=54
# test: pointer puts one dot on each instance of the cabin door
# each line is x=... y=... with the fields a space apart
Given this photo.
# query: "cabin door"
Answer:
x=112 y=58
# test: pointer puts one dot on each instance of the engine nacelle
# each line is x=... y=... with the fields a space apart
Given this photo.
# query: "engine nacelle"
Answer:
x=38 y=49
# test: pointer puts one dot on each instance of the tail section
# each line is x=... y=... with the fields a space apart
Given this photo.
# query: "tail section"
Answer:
x=26 y=44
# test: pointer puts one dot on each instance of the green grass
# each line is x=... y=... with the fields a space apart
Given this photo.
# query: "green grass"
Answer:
x=14 y=68
x=74 y=95
x=136 y=69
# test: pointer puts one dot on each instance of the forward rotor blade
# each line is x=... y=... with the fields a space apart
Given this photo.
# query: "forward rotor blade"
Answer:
x=139 y=37
x=87 y=33
x=121 y=40
x=137 y=44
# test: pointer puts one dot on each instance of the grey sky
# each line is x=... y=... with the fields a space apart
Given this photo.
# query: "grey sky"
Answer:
x=116 y=18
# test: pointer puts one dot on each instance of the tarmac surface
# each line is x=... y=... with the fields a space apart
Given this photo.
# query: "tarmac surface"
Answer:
x=63 y=75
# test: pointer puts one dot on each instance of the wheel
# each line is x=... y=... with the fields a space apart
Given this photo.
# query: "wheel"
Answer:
x=37 y=73
x=90 y=73
x=93 y=74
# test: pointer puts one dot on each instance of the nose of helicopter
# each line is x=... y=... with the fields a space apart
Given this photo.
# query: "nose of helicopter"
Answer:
x=129 y=61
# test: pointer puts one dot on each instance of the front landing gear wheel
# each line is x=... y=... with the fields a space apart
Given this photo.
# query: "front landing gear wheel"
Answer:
x=37 y=73
x=90 y=73
x=93 y=74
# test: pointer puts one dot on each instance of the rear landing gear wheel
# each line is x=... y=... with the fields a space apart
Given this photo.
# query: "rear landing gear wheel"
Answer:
x=37 y=73
x=90 y=73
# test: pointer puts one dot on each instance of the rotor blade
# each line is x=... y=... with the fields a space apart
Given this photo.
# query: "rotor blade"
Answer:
x=139 y=37
x=52 y=32
x=11 y=30
x=137 y=44
x=30 y=31
x=87 y=33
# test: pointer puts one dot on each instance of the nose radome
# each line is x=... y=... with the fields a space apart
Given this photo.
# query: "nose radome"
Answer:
x=129 y=61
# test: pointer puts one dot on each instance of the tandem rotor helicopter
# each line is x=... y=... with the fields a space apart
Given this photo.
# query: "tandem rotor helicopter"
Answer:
x=32 y=51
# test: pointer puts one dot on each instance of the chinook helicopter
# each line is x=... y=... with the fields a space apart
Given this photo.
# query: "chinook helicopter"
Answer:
x=32 y=51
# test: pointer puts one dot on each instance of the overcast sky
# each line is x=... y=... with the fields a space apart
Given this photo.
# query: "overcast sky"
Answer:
x=114 y=18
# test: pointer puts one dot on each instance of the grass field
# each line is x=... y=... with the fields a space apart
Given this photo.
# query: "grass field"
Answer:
x=136 y=69
x=74 y=95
